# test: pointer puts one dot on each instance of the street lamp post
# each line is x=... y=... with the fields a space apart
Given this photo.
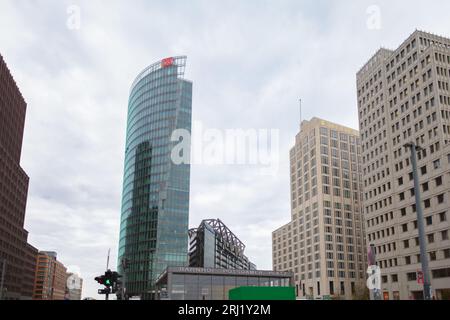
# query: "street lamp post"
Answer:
x=420 y=224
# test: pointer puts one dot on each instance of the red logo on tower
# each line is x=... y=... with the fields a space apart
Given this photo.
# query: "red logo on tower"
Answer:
x=167 y=62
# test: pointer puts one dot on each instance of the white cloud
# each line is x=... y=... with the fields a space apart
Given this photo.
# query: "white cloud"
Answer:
x=250 y=62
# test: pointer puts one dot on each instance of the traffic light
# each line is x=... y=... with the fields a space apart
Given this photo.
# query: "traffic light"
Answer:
x=115 y=277
x=100 y=280
x=108 y=278
x=116 y=282
x=111 y=282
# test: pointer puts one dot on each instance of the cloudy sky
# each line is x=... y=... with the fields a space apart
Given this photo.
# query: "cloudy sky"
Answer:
x=250 y=61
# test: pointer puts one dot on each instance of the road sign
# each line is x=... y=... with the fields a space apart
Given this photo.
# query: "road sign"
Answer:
x=104 y=291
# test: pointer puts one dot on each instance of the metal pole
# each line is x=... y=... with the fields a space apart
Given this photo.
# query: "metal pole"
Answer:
x=420 y=224
x=107 y=268
x=300 y=113
x=3 y=278
x=107 y=260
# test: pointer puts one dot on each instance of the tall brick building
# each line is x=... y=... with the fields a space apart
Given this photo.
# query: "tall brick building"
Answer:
x=51 y=277
x=14 y=249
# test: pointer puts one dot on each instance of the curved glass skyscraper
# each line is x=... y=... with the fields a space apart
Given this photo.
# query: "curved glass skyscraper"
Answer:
x=155 y=200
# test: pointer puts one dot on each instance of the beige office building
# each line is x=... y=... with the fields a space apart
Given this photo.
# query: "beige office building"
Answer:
x=323 y=245
x=403 y=96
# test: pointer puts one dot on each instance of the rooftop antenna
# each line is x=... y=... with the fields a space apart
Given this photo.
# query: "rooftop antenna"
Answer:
x=107 y=261
x=300 y=113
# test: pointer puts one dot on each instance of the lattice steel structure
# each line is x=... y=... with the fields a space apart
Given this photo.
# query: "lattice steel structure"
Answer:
x=214 y=245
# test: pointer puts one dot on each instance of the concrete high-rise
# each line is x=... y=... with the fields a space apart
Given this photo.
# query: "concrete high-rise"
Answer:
x=155 y=201
x=323 y=245
x=14 y=249
x=403 y=97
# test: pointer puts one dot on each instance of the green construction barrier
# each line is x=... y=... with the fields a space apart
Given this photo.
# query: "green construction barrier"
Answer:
x=262 y=293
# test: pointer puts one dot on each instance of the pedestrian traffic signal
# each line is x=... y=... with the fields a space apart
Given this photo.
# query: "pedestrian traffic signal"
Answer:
x=100 y=280
x=108 y=278
x=111 y=282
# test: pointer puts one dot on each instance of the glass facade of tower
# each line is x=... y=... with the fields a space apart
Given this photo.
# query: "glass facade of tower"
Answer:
x=155 y=200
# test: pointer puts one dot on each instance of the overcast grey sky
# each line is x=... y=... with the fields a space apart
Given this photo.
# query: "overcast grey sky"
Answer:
x=250 y=62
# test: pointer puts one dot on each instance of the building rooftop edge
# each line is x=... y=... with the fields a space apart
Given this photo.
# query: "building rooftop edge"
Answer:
x=218 y=270
x=392 y=51
x=317 y=119
x=153 y=67
x=282 y=227
x=8 y=70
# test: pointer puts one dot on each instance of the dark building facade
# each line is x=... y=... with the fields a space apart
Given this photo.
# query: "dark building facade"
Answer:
x=213 y=245
x=29 y=271
x=155 y=200
x=13 y=188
